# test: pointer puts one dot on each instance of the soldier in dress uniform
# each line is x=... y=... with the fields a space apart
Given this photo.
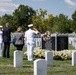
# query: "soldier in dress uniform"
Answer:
x=29 y=39
x=1 y=27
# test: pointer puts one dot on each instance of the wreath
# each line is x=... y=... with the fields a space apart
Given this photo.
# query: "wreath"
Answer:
x=46 y=36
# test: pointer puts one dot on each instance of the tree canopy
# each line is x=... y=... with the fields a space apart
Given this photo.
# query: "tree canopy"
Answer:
x=24 y=15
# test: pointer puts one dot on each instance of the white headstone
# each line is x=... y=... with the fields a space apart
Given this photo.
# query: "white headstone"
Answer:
x=70 y=40
x=73 y=58
x=0 y=52
x=49 y=58
x=75 y=45
x=40 y=67
x=38 y=42
x=18 y=58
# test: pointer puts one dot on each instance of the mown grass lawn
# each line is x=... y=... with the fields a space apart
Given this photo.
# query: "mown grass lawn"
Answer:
x=59 y=68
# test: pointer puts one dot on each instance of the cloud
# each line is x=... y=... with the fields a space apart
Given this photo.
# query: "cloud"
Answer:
x=70 y=2
x=5 y=1
x=6 y=6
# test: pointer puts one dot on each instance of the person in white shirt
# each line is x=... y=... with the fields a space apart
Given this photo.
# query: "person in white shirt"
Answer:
x=29 y=39
x=1 y=41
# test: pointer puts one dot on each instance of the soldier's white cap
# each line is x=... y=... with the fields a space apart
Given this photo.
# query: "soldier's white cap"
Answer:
x=1 y=26
x=30 y=25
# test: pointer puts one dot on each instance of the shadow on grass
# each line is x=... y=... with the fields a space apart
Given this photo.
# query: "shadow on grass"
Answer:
x=27 y=66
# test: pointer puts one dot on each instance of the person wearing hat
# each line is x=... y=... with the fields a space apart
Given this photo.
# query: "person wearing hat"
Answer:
x=19 y=39
x=29 y=39
x=6 y=39
x=1 y=27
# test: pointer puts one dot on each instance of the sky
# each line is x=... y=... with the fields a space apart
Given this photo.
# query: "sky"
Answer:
x=55 y=7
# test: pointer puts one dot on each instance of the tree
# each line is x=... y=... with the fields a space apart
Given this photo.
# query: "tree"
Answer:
x=73 y=26
x=6 y=18
x=40 y=21
x=23 y=16
x=61 y=24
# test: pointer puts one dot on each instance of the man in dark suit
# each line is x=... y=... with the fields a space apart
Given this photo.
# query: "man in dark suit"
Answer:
x=6 y=40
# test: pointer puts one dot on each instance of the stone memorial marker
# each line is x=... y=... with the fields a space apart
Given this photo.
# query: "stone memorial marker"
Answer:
x=46 y=44
x=38 y=42
x=74 y=58
x=55 y=42
x=18 y=58
x=49 y=58
x=40 y=67
x=59 y=41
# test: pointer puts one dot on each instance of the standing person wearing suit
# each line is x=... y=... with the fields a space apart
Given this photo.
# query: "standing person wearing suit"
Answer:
x=29 y=39
x=6 y=39
x=1 y=40
x=19 y=39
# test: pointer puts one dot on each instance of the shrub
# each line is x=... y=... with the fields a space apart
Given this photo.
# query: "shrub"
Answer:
x=63 y=55
x=57 y=55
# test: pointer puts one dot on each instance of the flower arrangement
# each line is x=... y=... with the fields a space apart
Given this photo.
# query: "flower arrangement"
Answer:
x=63 y=55
x=57 y=55
x=46 y=36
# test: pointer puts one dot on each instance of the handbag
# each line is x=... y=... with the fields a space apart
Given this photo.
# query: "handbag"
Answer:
x=13 y=41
